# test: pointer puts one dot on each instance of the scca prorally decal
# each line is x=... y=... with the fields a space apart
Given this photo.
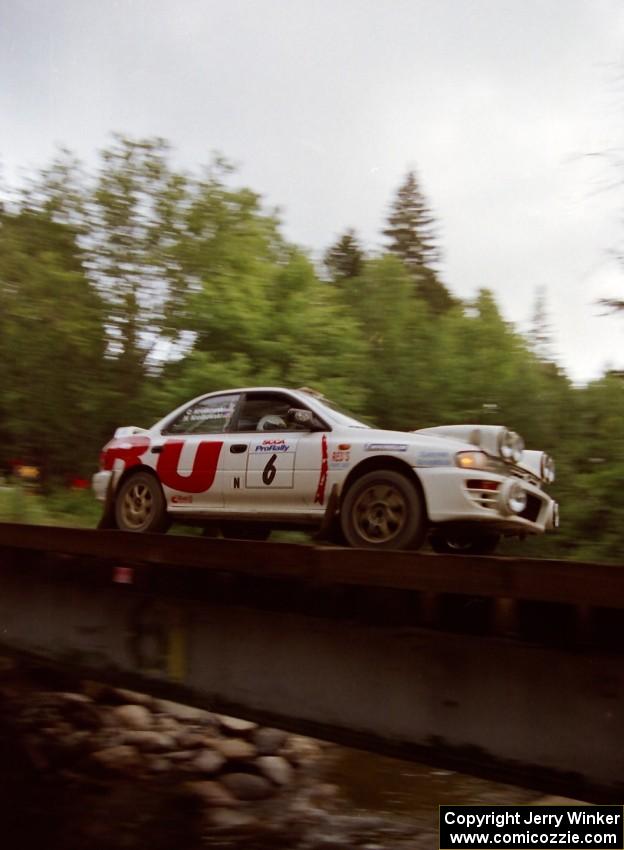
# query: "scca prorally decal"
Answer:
x=201 y=476
x=385 y=447
x=273 y=446
x=340 y=457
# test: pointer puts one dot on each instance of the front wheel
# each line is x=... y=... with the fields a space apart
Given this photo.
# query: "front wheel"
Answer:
x=464 y=543
x=383 y=510
x=140 y=504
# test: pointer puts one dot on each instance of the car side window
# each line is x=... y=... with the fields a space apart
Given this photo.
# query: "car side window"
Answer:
x=267 y=412
x=208 y=416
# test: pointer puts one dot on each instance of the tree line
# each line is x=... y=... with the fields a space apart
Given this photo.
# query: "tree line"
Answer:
x=132 y=286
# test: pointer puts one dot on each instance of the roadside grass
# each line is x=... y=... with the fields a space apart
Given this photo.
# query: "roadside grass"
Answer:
x=61 y=506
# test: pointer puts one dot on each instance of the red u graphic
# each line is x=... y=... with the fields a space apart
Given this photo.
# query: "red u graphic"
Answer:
x=202 y=475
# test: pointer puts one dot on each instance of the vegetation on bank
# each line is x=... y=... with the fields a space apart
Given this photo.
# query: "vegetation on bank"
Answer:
x=132 y=287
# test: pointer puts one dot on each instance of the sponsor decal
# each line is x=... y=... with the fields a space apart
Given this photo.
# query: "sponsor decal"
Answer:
x=273 y=446
x=181 y=500
x=433 y=458
x=340 y=457
x=385 y=447
x=320 y=490
x=201 y=476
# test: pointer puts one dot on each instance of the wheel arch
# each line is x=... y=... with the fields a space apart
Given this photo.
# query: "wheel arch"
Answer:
x=370 y=464
x=132 y=470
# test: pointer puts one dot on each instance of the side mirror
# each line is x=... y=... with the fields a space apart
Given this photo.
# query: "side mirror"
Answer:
x=301 y=417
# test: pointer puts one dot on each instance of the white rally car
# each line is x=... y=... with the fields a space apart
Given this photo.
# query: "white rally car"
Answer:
x=249 y=460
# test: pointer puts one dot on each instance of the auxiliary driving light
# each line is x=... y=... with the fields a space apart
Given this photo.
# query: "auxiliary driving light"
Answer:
x=548 y=469
x=513 y=498
x=510 y=446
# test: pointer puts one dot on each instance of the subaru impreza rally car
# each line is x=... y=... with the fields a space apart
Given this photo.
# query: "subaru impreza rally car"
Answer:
x=249 y=460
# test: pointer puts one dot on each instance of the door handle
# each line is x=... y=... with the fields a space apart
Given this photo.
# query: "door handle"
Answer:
x=156 y=450
x=238 y=448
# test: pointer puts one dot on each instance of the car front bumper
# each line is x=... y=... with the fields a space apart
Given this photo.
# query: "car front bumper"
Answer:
x=450 y=499
x=100 y=482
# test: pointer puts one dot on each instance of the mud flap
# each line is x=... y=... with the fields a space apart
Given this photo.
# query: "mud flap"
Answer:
x=327 y=531
x=107 y=520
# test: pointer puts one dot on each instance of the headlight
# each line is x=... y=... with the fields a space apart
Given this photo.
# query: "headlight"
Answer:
x=511 y=446
x=547 y=469
x=474 y=460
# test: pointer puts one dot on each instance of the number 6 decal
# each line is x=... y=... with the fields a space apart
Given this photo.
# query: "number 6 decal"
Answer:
x=270 y=471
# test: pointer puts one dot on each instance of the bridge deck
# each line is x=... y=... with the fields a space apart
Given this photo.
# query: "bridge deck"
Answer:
x=509 y=668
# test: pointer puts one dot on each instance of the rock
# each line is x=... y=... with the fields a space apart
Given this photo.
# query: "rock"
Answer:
x=125 y=697
x=268 y=741
x=178 y=756
x=236 y=725
x=185 y=713
x=107 y=738
x=70 y=697
x=167 y=724
x=275 y=768
x=208 y=761
x=149 y=742
x=157 y=764
x=191 y=740
x=85 y=715
x=235 y=748
x=133 y=716
x=210 y=793
x=299 y=749
x=221 y=818
x=74 y=742
x=247 y=786
x=122 y=759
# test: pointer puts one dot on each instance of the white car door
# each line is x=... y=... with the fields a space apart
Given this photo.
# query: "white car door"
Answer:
x=263 y=472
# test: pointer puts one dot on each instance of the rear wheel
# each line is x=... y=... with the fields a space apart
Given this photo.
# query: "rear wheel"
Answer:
x=140 y=504
x=464 y=543
x=383 y=510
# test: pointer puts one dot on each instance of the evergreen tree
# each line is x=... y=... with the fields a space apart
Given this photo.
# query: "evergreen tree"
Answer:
x=345 y=257
x=410 y=231
x=540 y=331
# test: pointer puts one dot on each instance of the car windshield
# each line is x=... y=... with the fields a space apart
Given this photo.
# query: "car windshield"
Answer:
x=343 y=416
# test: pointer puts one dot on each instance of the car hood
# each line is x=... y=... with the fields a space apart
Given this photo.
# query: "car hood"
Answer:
x=408 y=442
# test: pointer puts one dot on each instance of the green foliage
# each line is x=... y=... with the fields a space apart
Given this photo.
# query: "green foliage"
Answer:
x=127 y=291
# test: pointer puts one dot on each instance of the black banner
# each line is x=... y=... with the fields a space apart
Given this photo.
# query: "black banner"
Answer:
x=518 y=827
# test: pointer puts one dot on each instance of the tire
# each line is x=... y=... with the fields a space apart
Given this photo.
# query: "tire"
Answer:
x=245 y=531
x=464 y=544
x=140 y=504
x=383 y=510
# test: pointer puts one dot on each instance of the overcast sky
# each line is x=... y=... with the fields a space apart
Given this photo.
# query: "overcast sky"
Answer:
x=324 y=104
